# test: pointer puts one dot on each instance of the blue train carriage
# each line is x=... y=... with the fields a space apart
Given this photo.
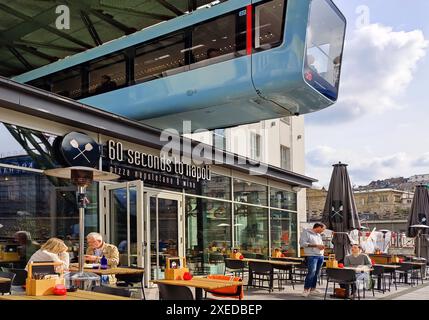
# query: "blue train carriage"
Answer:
x=237 y=62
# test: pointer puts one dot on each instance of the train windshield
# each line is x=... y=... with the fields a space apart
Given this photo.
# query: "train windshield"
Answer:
x=325 y=39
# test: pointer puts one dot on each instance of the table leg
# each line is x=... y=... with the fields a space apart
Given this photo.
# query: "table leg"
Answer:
x=198 y=294
x=379 y=282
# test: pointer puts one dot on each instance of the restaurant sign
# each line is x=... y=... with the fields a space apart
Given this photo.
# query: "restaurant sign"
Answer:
x=132 y=164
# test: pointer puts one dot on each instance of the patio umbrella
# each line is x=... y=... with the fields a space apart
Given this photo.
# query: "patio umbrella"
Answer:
x=340 y=213
x=419 y=215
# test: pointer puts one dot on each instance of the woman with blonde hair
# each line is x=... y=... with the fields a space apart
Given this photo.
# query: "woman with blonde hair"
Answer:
x=52 y=250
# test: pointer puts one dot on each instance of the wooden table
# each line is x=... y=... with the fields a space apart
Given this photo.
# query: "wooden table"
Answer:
x=200 y=283
x=108 y=271
x=4 y=280
x=301 y=259
x=77 y=295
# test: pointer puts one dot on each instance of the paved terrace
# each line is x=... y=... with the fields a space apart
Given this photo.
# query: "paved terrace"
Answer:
x=404 y=292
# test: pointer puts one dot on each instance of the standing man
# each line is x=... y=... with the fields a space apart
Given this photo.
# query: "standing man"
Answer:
x=97 y=248
x=311 y=241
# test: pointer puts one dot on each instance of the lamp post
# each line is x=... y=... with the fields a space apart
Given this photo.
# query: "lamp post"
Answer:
x=82 y=177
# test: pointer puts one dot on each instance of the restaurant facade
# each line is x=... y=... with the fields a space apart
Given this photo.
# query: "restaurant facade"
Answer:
x=171 y=203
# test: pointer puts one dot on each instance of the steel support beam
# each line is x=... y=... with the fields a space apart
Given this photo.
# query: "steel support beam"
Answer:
x=91 y=29
x=170 y=7
x=110 y=20
x=21 y=59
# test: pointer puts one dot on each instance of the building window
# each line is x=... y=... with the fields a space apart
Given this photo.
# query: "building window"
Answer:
x=219 y=139
x=383 y=199
x=283 y=232
x=255 y=146
x=285 y=158
x=282 y=199
x=249 y=192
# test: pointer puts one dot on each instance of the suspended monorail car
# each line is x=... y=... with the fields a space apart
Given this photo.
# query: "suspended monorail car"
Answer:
x=234 y=63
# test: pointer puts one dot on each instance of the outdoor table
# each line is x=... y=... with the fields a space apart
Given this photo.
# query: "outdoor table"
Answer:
x=4 y=280
x=274 y=263
x=415 y=265
x=385 y=266
x=200 y=283
x=77 y=295
x=298 y=259
x=108 y=271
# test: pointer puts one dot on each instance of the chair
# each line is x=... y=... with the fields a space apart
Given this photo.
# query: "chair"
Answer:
x=20 y=276
x=236 y=267
x=341 y=276
x=5 y=287
x=284 y=274
x=405 y=272
x=233 y=291
x=261 y=272
x=249 y=255
x=128 y=280
x=172 y=292
x=390 y=274
x=112 y=290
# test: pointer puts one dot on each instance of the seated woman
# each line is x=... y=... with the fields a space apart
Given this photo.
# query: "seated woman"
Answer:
x=52 y=250
x=358 y=259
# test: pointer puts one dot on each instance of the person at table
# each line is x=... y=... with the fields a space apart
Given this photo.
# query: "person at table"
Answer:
x=358 y=259
x=52 y=250
x=26 y=247
x=97 y=248
x=312 y=242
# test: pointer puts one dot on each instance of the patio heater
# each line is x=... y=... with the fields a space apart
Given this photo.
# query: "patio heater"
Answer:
x=419 y=228
x=384 y=231
x=82 y=177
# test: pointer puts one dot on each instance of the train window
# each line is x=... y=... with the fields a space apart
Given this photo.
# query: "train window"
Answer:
x=160 y=58
x=325 y=38
x=40 y=83
x=107 y=74
x=218 y=40
x=67 y=83
x=269 y=22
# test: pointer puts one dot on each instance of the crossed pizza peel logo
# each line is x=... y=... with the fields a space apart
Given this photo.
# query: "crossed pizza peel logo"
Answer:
x=88 y=148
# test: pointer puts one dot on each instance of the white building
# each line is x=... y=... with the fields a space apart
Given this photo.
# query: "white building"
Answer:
x=277 y=142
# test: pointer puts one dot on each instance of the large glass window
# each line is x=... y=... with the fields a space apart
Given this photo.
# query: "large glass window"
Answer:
x=249 y=192
x=107 y=74
x=283 y=232
x=218 y=40
x=208 y=234
x=251 y=230
x=218 y=186
x=67 y=83
x=269 y=22
x=282 y=199
x=34 y=207
x=325 y=38
x=160 y=58
x=219 y=139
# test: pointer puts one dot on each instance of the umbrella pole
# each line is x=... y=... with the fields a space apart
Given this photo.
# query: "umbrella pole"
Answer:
x=81 y=203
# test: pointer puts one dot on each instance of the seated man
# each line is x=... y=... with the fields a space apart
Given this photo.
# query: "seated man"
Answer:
x=358 y=259
x=97 y=248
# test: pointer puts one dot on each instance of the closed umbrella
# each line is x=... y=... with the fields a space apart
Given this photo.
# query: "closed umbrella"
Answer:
x=340 y=213
x=419 y=216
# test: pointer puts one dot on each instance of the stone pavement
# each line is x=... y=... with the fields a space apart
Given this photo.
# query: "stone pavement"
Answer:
x=404 y=292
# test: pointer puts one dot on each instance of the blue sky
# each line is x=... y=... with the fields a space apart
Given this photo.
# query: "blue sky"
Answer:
x=380 y=124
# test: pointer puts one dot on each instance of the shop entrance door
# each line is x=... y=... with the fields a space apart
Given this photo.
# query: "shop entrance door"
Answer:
x=122 y=221
x=164 y=231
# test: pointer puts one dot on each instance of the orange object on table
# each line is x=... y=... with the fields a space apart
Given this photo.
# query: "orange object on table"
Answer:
x=232 y=291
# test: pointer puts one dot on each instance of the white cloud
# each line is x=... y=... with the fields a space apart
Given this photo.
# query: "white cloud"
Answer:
x=378 y=66
x=363 y=167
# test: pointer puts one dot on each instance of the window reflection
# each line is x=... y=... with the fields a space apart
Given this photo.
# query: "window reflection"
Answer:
x=269 y=21
x=208 y=234
x=251 y=231
x=283 y=232
x=249 y=192
x=282 y=199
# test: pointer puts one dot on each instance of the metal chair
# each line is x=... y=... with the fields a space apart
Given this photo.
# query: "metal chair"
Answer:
x=284 y=274
x=171 y=292
x=405 y=272
x=261 y=272
x=341 y=276
x=237 y=267
x=128 y=280
x=20 y=276
x=6 y=287
x=112 y=290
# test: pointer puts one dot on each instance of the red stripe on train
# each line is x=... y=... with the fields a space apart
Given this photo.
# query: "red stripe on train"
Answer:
x=249 y=30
